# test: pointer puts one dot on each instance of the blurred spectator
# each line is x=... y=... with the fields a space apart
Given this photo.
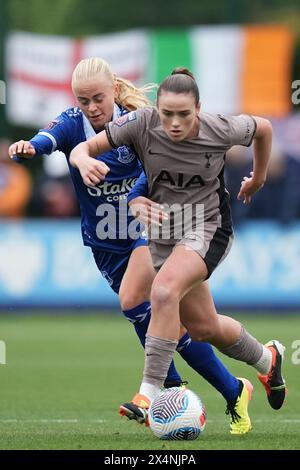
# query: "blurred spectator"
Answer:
x=15 y=185
x=280 y=197
x=53 y=194
x=55 y=198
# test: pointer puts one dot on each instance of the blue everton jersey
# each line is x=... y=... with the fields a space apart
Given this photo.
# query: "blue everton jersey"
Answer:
x=104 y=209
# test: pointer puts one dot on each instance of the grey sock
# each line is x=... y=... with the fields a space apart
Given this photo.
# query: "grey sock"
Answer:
x=158 y=356
x=246 y=349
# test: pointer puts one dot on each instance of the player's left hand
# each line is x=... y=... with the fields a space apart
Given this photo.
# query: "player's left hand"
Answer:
x=249 y=187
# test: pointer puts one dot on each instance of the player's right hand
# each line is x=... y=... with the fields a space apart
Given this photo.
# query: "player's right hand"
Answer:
x=92 y=171
x=22 y=149
x=147 y=212
x=249 y=186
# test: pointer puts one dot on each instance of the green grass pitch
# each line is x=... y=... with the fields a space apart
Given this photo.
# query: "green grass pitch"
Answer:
x=67 y=374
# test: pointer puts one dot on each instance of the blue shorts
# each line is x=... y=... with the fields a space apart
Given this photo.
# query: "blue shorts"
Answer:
x=113 y=265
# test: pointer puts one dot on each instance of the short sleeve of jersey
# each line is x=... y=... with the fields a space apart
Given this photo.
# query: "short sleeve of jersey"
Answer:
x=128 y=129
x=239 y=129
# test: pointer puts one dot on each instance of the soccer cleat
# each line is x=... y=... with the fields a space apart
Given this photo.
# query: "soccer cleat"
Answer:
x=239 y=419
x=274 y=382
x=137 y=409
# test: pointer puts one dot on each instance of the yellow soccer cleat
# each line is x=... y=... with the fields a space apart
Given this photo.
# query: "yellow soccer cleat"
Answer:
x=239 y=419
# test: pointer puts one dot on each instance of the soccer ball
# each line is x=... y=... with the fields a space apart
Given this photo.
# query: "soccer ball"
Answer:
x=177 y=413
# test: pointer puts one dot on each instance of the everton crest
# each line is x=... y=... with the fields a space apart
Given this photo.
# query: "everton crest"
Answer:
x=126 y=154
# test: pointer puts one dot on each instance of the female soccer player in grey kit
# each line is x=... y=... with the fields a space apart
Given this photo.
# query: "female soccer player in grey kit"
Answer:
x=125 y=263
x=182 y=152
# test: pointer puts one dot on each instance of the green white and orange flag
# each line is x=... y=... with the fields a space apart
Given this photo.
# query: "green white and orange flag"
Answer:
x=238 y=68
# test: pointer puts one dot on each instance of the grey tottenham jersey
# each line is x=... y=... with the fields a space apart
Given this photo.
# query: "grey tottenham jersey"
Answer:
x=189 y=172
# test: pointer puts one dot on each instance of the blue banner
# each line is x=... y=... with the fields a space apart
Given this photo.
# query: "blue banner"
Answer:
x=262 y=269
x=43 y=263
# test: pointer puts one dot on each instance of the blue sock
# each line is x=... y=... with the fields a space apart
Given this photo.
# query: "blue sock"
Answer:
x=140 y=317
x=201 y=357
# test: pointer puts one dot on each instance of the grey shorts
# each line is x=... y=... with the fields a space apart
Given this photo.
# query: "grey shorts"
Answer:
x=213 y=245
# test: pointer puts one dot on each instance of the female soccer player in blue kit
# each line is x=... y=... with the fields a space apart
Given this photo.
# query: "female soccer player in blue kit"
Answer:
x=124 y=262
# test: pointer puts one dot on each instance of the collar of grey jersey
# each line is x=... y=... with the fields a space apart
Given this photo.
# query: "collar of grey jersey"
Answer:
x=88 y=128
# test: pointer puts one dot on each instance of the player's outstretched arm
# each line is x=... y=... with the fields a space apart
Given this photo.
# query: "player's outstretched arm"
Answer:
x=22 y=149
x=83 y=156
x=262 y=144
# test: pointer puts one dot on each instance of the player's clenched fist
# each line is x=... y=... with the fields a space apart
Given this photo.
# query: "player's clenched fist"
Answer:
x=92 y=171
x=22 y=149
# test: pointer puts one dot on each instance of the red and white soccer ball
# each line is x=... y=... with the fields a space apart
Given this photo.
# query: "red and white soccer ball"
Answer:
x=177 y=413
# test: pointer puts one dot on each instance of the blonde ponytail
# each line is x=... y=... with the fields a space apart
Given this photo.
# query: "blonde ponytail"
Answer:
x=131 y=97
